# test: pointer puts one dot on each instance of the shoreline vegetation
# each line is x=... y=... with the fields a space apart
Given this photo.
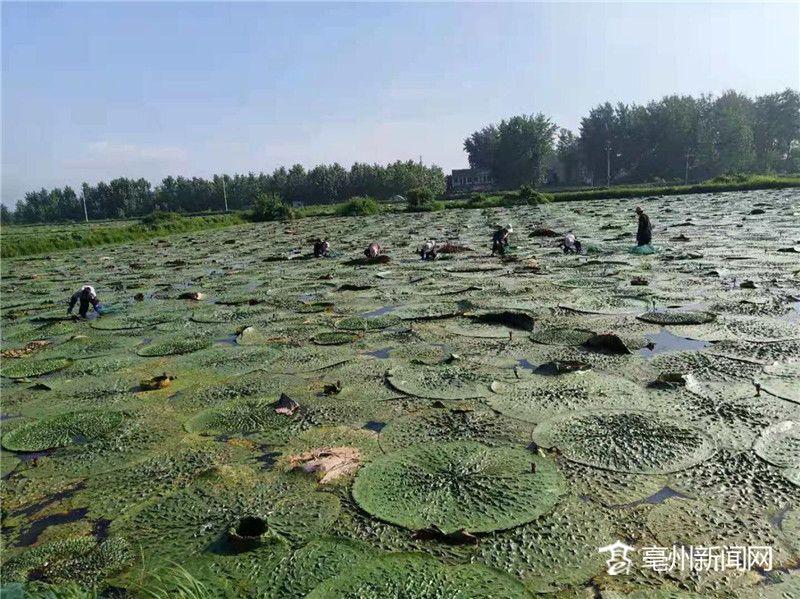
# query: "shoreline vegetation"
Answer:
x=28 y=240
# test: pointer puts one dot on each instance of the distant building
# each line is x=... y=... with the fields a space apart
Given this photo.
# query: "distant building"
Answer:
x=470 y=179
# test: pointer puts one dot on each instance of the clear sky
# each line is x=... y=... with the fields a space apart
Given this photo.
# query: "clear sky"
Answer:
x=91 y=91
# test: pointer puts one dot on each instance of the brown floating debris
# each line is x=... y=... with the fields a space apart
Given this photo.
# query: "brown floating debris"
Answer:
x=331 y=463
x=332 y=388
x=286 y=405
x=162 y=381
x=28 y=349
x=639 y=281
x=192 y=295
x=609 y=343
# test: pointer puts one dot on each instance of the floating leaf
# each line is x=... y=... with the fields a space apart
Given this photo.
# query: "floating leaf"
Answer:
x=458 y=485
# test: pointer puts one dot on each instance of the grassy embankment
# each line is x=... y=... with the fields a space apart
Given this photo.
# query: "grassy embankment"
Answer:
x=36 y=239
x=26 y=240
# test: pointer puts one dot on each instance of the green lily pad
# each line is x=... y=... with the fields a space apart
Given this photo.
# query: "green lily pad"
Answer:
x=23 y=368
x=779 y=444
x=334 y=338
x=479 y=425
x=445 y=381
x=58 y=431
x=458 y=485
x=173 y=346
x=626 y=441
x=400 y=576
x=677 y=317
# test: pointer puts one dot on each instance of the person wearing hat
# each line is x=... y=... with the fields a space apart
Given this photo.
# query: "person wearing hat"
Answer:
x=86 y=295
x=571 y=244
x=428 y=251
x=644 y=233
x=373 y=250
x=500 y=240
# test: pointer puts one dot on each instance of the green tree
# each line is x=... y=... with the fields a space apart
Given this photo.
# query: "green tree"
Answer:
x=725 y=135
x=524 y=144
x=776 y=129
x=270 y=206
x=481 y=147
x=569 y=156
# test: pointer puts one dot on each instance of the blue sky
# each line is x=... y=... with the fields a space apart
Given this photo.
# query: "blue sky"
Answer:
x=94 y=91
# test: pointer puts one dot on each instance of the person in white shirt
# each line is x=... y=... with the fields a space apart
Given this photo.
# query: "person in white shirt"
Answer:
x=571 y=244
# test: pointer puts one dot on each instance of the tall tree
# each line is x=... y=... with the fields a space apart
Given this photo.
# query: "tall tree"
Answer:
x=481 y=147
x=776 y=128
x=525 y=142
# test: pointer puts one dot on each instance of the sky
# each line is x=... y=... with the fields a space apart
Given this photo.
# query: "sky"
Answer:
x=92 y=91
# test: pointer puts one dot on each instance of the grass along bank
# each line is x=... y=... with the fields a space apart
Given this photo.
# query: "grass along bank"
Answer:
x=25 y=240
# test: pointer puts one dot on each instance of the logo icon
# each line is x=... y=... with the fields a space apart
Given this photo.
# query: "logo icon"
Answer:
x=618 y=562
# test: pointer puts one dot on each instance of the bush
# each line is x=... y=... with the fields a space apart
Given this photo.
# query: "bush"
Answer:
x=731 y=178
x=270 y=206
x=531 y=197
x=421 y=199
x=160 y=219
x=359 y=206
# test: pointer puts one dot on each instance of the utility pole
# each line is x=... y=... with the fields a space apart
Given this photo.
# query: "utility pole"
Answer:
x=224 y=193
x=689 y=155
x=85 y=212
x=608 y=164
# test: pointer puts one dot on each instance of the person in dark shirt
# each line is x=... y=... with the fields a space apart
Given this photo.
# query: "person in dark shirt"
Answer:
x=500 y=240
x=85 y=295
x=373 y=250
x=644 y=233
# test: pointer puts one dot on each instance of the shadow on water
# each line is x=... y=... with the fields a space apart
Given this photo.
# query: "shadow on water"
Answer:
x=664 y=342
x=658 y=497
x=100 y=529
x=381 y=354
x=523 y=363
x=30 y=535
x=373 y=425
x=229 y=340
x=51 y=499
x=268 y=459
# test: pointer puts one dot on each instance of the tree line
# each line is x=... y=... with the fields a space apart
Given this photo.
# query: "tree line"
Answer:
x=674 y=139
x=124 y=197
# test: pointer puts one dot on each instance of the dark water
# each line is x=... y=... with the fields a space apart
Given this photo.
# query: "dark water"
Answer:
x=658 y=497
x=664 y=341
x=381 y=354
x=268 y=459
x=229 y=340
x=30 y=535
x=523 y=363
x=373 y=425
x=54 y=498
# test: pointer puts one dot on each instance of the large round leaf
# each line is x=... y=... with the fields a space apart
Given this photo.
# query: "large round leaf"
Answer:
x=458 y=485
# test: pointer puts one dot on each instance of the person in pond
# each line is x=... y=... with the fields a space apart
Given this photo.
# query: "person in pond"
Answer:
x=429 y=251
x=85 y=295
x=644 y=233
x=322 y=248
x=373 y=250
x=571 y=244
x=500 y=240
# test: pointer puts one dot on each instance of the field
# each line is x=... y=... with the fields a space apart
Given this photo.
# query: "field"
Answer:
x=244 y=420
